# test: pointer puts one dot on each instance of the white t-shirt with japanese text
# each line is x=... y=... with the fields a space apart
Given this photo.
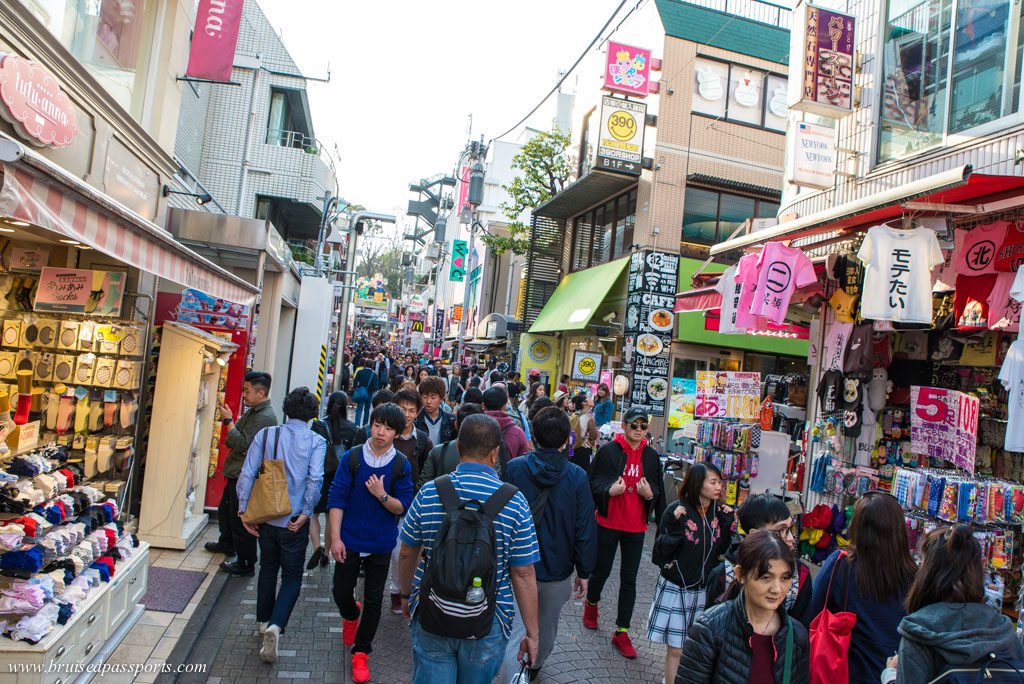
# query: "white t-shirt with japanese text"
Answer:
x=897 y=274
x=730 y=291
x=1012 y=377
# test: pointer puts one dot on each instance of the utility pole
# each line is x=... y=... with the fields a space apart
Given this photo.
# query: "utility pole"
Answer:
x=477 y=151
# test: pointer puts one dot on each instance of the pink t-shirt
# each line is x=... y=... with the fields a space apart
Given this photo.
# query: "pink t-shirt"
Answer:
x=1003 y=310
x=976 y=248
x=781 y=270
x=746 y=273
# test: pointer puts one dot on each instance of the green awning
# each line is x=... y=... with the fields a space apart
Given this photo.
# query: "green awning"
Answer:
x=577 y=298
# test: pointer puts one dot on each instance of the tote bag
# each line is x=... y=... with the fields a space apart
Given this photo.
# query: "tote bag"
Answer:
x=830 y=637
x=268 y=499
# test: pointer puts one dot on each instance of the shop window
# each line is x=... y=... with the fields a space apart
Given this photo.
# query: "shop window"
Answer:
x=583 y=235
x=710 y=216
x=739 y=93
x=605 y=232
x=966 y=54
x=111 y=39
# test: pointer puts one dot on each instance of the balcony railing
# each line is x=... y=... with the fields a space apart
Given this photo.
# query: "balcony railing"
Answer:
x=299 y=141
x=755 y=10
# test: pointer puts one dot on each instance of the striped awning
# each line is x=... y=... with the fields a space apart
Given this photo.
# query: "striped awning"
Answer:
x=30 y=193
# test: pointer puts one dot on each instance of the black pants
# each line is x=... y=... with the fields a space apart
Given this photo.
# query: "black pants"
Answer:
x=244 y=543
x=345 y=576
x=632 y=546
x=227 y=538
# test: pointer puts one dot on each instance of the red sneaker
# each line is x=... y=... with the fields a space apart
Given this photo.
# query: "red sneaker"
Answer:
x=621 y=641
x=396 y=604
x=349 y=627
x=360 y=667
x=589 y=615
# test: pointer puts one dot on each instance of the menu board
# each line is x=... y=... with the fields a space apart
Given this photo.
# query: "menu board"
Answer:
x=944 y=424
x=728 y=394
x=653 y=281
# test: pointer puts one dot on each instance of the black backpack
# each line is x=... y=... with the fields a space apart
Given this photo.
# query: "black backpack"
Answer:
x=992 y=668
x=503 y=452
x=397 y=466
x=464 y=548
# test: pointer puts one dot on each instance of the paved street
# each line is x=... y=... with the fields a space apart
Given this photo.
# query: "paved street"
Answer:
x=312 y=649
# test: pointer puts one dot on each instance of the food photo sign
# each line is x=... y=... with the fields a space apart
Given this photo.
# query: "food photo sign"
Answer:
x=653 y=281
x=728 y=394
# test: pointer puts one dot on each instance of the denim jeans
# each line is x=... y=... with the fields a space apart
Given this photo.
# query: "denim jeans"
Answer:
x=632 y=547
x=285 y=551
x=362 y=412
x=438 y=659
x=345 y=576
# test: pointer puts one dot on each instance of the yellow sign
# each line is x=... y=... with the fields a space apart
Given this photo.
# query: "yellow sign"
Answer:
x=622 y=125
x=537 y=352
x=587 y=366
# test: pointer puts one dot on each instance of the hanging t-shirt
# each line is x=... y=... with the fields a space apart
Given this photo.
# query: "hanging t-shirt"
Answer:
x=747 y=276
x=837 y=337
x=730 y=291
x=897 y=279
x=976 y=248
x=980 y=352
x=1017 y=288
x=1012 y=377
x=830 y=391
x=859 y=351
x=849 y=272
x=913 y=345
x=845 y=306
x=781 y=270
x=944 y=277
x=1003 y=310
x=970 y=307
x=1010 y=255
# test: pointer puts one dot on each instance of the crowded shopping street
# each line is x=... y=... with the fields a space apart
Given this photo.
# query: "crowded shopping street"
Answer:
x=467 y=343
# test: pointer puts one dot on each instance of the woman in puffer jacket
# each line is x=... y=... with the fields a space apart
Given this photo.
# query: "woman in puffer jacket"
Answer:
x=750 y=637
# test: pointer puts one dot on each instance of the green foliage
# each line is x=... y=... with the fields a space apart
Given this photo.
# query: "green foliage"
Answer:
x=545 y=167
x=386 y=259
x=302 y=254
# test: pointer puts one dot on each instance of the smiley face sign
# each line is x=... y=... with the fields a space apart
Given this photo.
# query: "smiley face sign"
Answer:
x=586 y=366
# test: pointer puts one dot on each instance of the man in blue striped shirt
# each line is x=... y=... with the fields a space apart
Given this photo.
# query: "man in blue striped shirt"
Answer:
x=471 y=661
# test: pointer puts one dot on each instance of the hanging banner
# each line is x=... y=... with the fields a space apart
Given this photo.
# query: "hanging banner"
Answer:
x=823 y=41
x=812 y=154
x=944 y=424
x=438 y=328
x=70 y=290
x=213 y=40
x=728 y=394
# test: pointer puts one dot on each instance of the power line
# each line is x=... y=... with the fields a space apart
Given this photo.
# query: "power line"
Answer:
x=566 y=74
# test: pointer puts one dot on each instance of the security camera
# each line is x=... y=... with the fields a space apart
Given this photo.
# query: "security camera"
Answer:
x=609 y=318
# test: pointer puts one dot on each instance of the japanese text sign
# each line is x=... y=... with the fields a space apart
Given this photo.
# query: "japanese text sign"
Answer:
x=944 y=424
x=627 y=69
x=69 y=290
x=825 y=43
x=727 y=394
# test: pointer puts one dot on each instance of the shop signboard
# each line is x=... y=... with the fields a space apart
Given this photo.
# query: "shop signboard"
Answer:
x=198 y=308
x=651 y=286
x=371 y=293
x=944 y=424
x=586 y=365
x=438 y=328
x=627 y=69
x=129 y=181
x=416 y=322
x=812 y=154
x=682 y=403
x=71 y=290
x=824 y=42
x=34 y=103
x=728 y=394
x=29 y=258
x=214 y=39
x=457 y=312
x=620 y=146
x=457 y=273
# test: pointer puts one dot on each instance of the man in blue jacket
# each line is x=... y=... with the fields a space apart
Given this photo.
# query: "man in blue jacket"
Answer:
x=563 y=514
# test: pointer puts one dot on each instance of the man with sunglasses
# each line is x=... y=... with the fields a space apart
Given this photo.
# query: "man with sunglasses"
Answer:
x=766 y=512
x=625 y=479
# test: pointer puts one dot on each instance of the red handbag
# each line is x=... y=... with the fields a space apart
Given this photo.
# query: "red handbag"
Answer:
x=830 y=638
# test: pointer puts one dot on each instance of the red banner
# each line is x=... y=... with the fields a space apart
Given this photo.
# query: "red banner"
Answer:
x=214 y=39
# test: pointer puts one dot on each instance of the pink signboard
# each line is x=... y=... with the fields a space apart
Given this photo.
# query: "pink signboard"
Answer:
x=214 y=39
x=34 y=102
x=627 y=69
x=944 y=424
x=71 y=290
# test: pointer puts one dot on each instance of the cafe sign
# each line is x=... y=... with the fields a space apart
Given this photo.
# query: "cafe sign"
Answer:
x=34 y=103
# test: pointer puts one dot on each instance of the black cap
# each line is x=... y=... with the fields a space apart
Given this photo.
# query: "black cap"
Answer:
x=633 y=413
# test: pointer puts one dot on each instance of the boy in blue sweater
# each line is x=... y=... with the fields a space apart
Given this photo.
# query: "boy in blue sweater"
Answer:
x=363 y=513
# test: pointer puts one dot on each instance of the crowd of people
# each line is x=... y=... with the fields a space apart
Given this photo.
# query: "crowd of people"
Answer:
x=484 y=504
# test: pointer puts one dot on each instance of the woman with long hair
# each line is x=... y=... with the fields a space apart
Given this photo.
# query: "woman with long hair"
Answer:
x=693 y=532
x=603 y=405
x=582 y=422
x=536 y=391
x=339 y=431
x=410 y=371
x=750 y=637
x=948 y=623
x=422 y=374
x=872 y=581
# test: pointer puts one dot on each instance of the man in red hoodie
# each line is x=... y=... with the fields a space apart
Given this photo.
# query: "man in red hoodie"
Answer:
x=625 y=479
x=512 y=436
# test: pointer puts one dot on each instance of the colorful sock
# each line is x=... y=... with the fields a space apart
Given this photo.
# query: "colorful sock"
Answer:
x=129 y=410
x=95 y=411
x=24 y=405
x=52 y=402
x=82 y=414
x=65 y=409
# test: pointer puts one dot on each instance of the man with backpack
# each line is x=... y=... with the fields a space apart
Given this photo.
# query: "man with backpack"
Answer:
x=459 y=595
x=563 y=514
x=364 y=384
x=513 y=439
x=370 y=491
x=444 y=457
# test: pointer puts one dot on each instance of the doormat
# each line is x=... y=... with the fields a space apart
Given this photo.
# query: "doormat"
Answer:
x=170 y=589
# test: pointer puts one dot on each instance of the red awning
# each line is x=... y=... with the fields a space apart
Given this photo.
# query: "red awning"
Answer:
x=700 y=299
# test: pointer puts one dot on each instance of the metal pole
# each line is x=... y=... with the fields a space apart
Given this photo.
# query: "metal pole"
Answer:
x=329 y=204
x=465 y=289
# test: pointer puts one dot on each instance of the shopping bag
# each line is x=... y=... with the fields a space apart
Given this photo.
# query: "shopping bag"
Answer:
x=268 y=499
x=830 y=638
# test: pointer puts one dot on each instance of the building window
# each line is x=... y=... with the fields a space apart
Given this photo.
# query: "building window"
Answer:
x=605 y=232
x=711 y=216
x=111 y=39
x=966 y=61
x=741 y=94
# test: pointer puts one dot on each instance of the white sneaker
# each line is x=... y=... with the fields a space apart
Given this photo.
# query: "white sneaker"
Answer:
x=262 y=626
x=268 y=653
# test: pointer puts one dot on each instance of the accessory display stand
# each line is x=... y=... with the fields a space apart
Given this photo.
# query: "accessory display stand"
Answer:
x=181 y=431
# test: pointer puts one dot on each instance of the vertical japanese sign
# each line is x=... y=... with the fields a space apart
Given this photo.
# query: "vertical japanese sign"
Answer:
x=650 y=298
x=627 y=69
x=438 y=328
x=726 y=394
x=213 y=40
x=825 y=41
x=944 y=424
x=460 y=250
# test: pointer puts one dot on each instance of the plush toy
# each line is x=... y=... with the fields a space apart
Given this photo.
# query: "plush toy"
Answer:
x=879 y=387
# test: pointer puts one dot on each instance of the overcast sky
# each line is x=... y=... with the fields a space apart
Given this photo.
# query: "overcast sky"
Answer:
x=406 y=75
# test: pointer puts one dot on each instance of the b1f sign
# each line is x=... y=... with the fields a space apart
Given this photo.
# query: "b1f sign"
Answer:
x=812 y=156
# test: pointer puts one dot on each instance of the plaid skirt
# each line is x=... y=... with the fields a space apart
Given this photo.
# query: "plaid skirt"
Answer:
x=672 y=612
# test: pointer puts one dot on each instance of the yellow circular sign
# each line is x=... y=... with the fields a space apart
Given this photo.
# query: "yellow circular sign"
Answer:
x=540 y=351
x=622 y=126
x=587 y=365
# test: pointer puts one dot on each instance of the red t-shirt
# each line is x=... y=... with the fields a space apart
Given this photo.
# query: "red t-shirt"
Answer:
x=971 y=303
x=626 y=511
x=1010 y=254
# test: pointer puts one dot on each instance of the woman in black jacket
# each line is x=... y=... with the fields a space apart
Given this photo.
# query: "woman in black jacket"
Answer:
x=694 y=531
x=339 y=432
x=750 y=638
